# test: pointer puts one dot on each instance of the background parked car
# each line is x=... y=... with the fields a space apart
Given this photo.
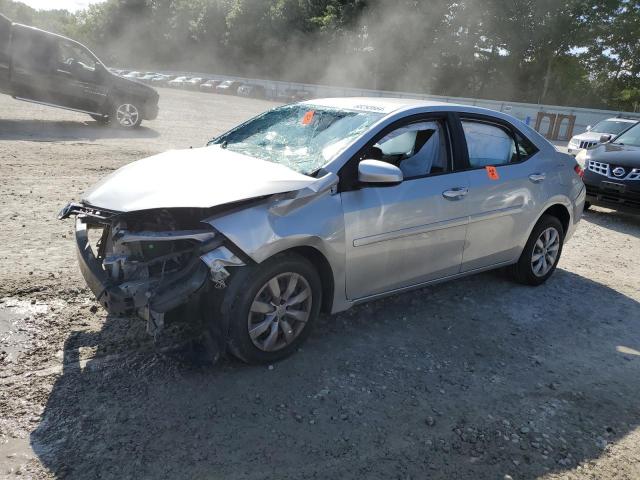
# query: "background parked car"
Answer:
x=194 y=83
x=178 y=82
x=148 y=76
x=253 y=91
x=133 y=75
x=294 y=95
x=604 y=130
x=228 y=87
x=162 y=80
x=209 y=86
x=612 y=172
x=42 y=67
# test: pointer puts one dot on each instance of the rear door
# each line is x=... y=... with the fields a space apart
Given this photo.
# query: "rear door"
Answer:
x=505 y=190
x=33 y=73
x=5 y=55
x=412 y=232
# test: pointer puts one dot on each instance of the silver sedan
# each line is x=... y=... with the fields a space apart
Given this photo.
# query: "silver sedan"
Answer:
x=318 y=206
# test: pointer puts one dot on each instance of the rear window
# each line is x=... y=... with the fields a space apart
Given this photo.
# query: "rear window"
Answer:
x=526 y=148
x=488 y=144
x=33 y=50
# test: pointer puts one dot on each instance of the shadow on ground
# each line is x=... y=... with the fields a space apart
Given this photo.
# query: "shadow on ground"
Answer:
x=54 y=131
x=473 y=379
x=621 y=222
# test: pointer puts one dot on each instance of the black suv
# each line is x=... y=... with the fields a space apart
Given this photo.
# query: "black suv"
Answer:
x=46 y=68
x=612 y=172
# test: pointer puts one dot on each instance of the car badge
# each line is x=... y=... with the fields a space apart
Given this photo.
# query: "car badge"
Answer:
x=618 y=171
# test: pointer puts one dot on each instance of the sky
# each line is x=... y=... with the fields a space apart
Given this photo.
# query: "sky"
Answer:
x=71 y=5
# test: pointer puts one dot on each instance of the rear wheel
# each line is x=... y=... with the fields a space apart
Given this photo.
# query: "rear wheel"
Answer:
x=542 y=252
x=270 y=308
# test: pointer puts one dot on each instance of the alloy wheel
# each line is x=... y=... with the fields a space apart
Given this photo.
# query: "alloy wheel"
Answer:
x=280 y=311
x=545 y=252
x=127 y=115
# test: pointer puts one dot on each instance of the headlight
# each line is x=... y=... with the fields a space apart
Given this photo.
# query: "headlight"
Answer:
x=581 y=158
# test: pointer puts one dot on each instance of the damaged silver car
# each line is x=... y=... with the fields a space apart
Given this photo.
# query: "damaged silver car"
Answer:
x=321 y=205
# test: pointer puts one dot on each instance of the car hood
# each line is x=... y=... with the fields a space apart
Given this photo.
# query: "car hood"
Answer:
x=624 y=155
x=195 y=178
x=588 y=137
x=133 y=86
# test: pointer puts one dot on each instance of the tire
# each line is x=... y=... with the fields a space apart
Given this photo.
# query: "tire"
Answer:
x=587 y=206
x=101 y=119
x=249 y=290
x=125 y=114
x=525 y=270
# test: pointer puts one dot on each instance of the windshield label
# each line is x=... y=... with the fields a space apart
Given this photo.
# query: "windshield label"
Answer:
x=308 y=117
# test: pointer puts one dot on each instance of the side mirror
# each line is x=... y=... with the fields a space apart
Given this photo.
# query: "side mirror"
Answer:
x=588 y=128
x=605 y=138
x=376 y=171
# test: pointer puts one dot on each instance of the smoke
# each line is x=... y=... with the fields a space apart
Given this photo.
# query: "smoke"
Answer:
x=507 y=49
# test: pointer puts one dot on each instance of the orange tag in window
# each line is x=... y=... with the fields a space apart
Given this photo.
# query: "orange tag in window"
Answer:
x=492 y=173
x=308 y=117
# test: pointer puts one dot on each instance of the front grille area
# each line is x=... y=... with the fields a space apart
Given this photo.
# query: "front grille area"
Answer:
x=613 y=198
x=607 y=170
x=588 y=143
x=598 y=167
x=634 y=174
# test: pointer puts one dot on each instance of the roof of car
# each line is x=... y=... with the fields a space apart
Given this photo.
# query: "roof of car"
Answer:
x=390 y=105
x=374 y=104
x=623 y=119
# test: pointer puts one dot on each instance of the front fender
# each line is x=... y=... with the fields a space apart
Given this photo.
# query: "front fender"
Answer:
x=276 y=225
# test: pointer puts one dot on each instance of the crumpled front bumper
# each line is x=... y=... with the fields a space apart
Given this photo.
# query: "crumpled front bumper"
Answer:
x=151 y=298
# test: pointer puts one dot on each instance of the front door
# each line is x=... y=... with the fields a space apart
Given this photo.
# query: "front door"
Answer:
x=81 y=77
x=412 y=232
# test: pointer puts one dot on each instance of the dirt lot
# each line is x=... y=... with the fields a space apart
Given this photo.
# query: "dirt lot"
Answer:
x=474 y=379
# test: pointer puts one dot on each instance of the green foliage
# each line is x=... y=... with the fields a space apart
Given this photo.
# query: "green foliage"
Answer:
x=578 y=52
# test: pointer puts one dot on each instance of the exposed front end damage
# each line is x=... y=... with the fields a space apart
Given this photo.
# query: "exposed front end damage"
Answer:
x=151 y=262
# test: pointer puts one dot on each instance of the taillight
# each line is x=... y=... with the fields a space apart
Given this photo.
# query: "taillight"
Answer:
x=579 y=171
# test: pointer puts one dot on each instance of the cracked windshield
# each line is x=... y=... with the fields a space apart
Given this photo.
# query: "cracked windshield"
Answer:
x=301 y=137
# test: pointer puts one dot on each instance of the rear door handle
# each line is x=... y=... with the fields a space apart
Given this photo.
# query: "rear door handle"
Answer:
x=537 y=177
x=455 y=193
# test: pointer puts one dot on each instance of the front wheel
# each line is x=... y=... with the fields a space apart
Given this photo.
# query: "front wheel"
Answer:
x=271 y=308
x=125 y=114
x=542 y=252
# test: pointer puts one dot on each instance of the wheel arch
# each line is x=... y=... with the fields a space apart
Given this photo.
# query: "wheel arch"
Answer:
x=561 y=212
x=323 y=267
x=558 y=207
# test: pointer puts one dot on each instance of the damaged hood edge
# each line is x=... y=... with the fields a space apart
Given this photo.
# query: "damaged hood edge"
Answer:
x=195 y=178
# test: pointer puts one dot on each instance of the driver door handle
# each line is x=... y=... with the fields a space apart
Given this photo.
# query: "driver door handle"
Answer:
x=455 y=193
x=537 y=177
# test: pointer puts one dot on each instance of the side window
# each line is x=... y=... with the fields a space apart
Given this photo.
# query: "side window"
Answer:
x=32 y=51
x=75 y=57
x=526 y=148
x=488 y=144
x=418 y=149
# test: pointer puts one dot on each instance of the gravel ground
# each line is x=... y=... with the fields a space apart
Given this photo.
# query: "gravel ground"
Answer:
x=478 y=378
